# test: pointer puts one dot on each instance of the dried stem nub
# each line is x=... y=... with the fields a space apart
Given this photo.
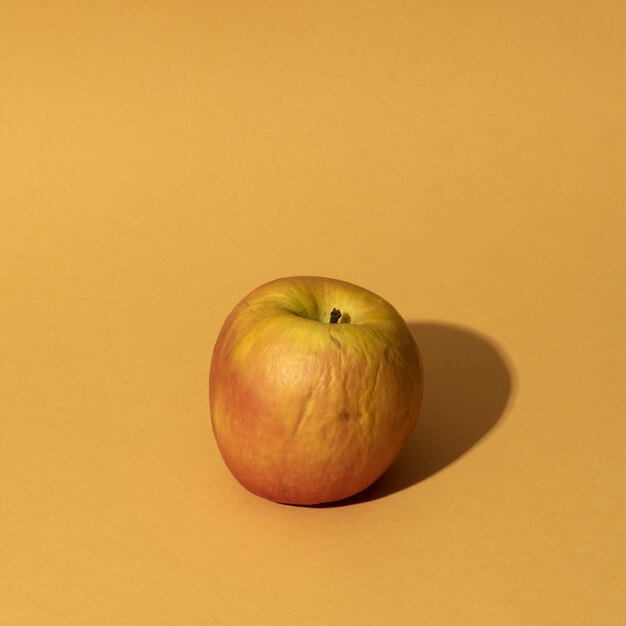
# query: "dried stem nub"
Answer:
x=335 y=314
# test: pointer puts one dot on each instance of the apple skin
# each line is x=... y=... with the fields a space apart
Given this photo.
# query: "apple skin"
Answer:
x=305 y=411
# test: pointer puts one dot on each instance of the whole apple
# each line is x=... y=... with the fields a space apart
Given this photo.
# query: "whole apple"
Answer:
x=315 y=387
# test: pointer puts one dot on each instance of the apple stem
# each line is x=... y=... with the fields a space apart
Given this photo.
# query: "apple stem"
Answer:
x=335 y=314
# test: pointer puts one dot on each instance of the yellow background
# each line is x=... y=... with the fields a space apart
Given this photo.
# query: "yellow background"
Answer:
x=465 y=160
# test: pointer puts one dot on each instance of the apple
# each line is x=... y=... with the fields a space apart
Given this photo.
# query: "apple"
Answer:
x=315 y=386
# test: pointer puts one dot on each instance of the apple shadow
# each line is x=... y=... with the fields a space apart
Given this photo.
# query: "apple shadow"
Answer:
x=468 y=382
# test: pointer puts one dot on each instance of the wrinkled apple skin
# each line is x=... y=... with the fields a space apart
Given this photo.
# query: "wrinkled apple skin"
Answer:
x=305 y=411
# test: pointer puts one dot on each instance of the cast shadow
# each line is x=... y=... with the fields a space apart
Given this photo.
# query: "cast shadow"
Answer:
x=468 y=382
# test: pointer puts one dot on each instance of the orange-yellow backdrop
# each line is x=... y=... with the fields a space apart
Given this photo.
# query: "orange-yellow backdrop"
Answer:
x=465 y=160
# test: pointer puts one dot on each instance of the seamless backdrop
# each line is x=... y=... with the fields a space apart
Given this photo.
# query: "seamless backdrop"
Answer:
x=160 y=160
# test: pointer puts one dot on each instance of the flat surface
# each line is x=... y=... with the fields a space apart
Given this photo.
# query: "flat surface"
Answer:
x=464 y=160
